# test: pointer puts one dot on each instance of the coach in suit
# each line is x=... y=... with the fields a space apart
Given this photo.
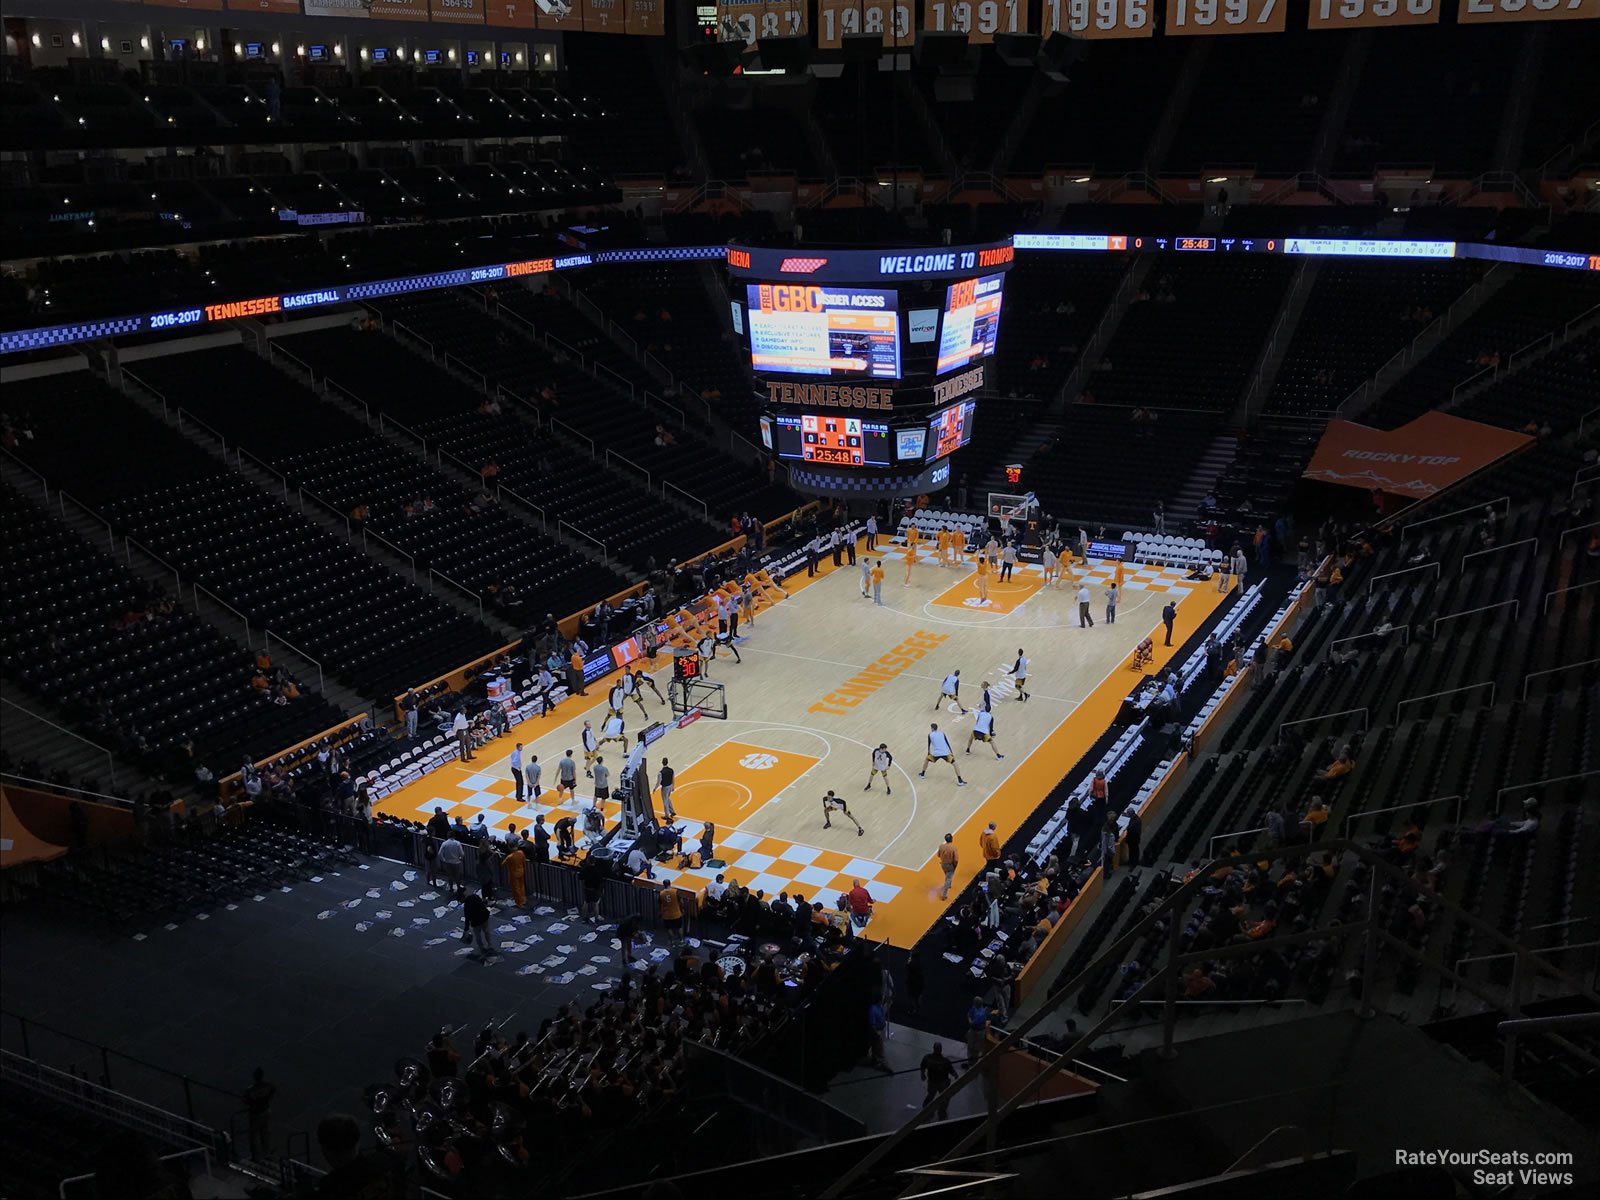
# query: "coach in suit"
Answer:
x=1169 y=614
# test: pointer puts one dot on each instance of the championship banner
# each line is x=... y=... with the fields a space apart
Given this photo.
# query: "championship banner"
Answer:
x=1426 y=456
x=605 y=16
x=509 y=14
x=647 y=17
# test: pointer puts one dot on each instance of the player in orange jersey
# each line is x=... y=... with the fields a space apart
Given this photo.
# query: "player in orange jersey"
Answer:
x=983 y=578
x=911 y=559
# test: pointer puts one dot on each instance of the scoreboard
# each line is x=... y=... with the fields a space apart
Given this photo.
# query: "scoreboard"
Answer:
x=807 y=329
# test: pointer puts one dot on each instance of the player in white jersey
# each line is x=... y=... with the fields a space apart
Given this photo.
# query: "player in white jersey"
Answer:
x=882 y=760
x=1049 y=562
x=616 y=697
x=832 y=804
x=1019 y=673
x=939 y=750
x=613 y=731
x=983 y=731
x=591 y=747
x=950 y=689
x=630 y=691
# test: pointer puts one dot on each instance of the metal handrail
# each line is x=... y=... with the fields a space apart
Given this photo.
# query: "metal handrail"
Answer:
x=379 y=538
x=62 y=497
x=650 y=398
x=1212 y=841
x=1470 y=687
x=1374 y=812
x=47 y=785
x=544 y=520
x=1516 y=614
x=628 y=462
x=1373 y=582
x=433 y=574
x=595 y=367
x=552 y=342
x=1578 y=477
x=1403 y=630
x=483 y=380
x=397 y=327
x=1405 y=530
x=1575 y=587
x=385 y=420
x=111 y=761
x=689 y=497
x=1344 y=712
x=284 y=642
x=345 y=517
x=124 y=374
x=1562 y=540
x=1583 y=421
x=573 y=433
x=329 y=384
x=1531 y=676
x=569 y=528
x=183 y=412
x=128 y=545
x=203 y=1151
x=1495 y=549
x=240 y=454
x=1535 y=783
x=248 y=639
x=501 y=310
x=274 y=348
x=44 y=483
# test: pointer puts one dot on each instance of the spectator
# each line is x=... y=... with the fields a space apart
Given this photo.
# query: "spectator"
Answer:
x=476 y=911
x=258 y=1105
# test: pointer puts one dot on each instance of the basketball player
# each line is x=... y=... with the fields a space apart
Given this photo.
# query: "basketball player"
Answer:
x=983 y=579
x=1048 y=560
x=747 y=602
x=616 y=697
x=866 y=577
x=832 y=804
x=642 y=681
x=939 y=751
x=958 y=547
x=591 y=747
x=983 y=731
x=986 y=703
x=613 y=732
x=882 y=760
x=708 y=650
x=566 y=778
x=725 y=638
x=911 y=557
x=1019 y=673
x=630 y=691
x=602 y=783
x=950 y=689
x=944 y=547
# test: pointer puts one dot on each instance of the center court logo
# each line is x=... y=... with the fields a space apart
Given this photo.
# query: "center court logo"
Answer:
x=759 y=762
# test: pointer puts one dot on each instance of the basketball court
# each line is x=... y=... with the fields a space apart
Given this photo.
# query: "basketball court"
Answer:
x=827 y=675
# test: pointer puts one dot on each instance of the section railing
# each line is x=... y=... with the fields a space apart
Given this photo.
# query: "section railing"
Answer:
x=573 y=531
x=287 y=645
x=111 y=762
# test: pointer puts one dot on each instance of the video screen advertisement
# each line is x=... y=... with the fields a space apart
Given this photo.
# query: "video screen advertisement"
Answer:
x=970 y=323
x=808 y=329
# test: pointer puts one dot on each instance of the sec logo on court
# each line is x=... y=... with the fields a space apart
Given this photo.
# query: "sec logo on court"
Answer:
x=759 y=762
